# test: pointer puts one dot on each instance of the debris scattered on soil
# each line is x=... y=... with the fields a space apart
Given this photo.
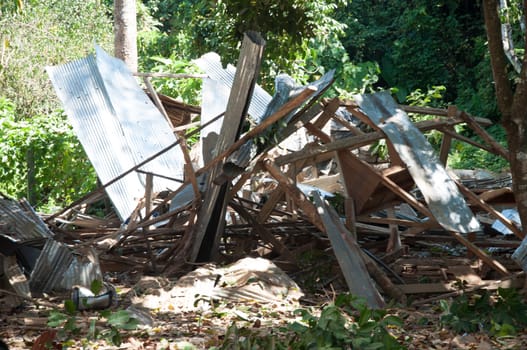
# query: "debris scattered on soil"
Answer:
x=281 y=194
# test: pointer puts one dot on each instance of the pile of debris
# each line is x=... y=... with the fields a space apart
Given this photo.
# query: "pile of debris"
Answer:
x=259 y=182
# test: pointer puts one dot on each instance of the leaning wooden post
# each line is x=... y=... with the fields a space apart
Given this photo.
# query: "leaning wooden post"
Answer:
x=211 y=217
x=349 y=255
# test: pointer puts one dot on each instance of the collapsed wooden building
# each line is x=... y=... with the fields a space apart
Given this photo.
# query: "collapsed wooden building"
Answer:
x=277 y=177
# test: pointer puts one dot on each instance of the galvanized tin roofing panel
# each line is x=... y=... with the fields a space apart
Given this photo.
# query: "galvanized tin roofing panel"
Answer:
x=211 y=64
x=439 y=191
x=117 y=125
x=20 y=225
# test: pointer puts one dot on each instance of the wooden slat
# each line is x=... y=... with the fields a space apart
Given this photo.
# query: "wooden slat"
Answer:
x=210 y=220
x=349 y=255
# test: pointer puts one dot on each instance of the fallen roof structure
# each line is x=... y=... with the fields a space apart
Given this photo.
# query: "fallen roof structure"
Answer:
x=233 y=203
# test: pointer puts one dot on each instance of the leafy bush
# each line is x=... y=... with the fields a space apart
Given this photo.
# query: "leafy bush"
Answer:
x=186 y=90
x=466 y=156
x=46 y=33
x=347 y=324
x=499 y=315
x=42 y=159
x=303 y=38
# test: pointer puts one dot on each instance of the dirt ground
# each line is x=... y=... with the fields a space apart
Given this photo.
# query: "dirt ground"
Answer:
x=174 y=324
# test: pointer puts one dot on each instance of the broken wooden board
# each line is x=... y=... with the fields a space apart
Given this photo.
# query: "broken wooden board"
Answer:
x=349 y=255
x=440 y=193
x=212 y=213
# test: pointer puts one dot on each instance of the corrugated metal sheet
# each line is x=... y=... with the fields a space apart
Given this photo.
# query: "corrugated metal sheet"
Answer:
x=439 y=191
x=215 y=95
x=20 y=225
x=118 y=126
x=211 y=64
x=50 y=267
x=82 y=271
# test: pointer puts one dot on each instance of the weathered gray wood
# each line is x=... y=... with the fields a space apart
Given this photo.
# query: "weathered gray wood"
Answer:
x=354 y=142
x=211 y=217
x=439 y=190
x=296 y=195
x=349 y=255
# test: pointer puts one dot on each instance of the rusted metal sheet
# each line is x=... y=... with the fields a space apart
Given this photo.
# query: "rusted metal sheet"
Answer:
x=439 y=191
x=118 y=126
x=50 y=267
x=20 y=225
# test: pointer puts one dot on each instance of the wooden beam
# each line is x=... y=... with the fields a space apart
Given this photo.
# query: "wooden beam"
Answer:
x=211 y=218
x=349 y=255
x=290 y=188
x=473 y=198
x=496 y=265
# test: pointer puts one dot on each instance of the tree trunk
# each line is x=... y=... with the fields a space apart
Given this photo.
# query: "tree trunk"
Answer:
x=512 y=100
x=125 y=32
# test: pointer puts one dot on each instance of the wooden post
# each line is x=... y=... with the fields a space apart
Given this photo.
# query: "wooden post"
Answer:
x=211 y=217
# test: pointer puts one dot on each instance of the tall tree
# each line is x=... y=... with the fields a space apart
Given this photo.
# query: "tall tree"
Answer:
x=125 y=31
x=511 y=96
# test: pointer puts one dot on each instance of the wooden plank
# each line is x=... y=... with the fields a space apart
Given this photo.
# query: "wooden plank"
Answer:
x=484 y=135
x=329 y=183
x=354 y=142
x=292 y=190
x=265 y=235
x=444 y=150
x=211 y=217
x=349 y=255
x=465 y=273
x=496 y=265
x=427 y=288
x=439 y=191
x=472 y=197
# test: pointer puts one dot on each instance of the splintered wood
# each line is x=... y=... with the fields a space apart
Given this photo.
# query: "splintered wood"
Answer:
x=385 y=204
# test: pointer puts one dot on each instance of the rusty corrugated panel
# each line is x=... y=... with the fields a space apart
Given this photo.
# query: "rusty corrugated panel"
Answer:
x=50 y=267
x=21 y=226
x=118 y=126
x=439 y=191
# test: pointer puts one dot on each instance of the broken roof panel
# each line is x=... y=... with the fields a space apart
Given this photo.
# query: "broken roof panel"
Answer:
x=215 y=95
x=20 y=225
x=439 y=191
x=118 y=126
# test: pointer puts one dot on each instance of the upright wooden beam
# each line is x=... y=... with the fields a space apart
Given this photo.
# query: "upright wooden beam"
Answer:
x=211 y=218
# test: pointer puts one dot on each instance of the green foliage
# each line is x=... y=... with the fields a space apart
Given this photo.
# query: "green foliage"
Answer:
x=115 y=323
x=42 y=159
x=46 y=33
x=347 y=324
x=303 y=38
x=499 y=315
x=433 y=97
x=466 y=156
x=407 y=39
x=187 y=89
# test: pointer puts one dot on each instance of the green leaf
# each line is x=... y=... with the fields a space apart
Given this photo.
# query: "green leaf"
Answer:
x=69 y=306
x=96 y=287
x=56 y=318
x=122 y=319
